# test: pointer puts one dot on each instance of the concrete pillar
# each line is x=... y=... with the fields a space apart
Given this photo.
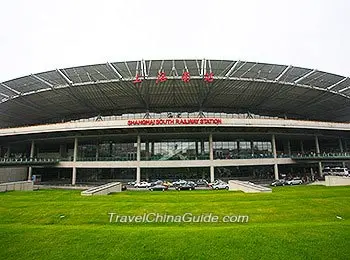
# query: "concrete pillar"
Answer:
x=97 y=151
x=273 y=143
x=147 y=150
x=30 y=170
x=152 y=149
x=8 y=152
x=211 y=157
x=202 y=146
x=318 y=152
x=138 y=156
x=275 y=166
x=252 y=147
x=320 y=168
x=110 y=149
x=197 y=149
x=341 y=150
x=289 y=148
x=317 y=145
x=341 y=146
x=275 y=169
x=212 y=175
x=75 y=155
x=302 y=147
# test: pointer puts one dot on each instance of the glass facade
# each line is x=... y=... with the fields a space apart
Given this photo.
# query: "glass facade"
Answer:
x=175 y=150
x=110 y=150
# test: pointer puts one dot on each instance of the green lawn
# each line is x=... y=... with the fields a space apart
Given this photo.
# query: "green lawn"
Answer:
x=290 y=223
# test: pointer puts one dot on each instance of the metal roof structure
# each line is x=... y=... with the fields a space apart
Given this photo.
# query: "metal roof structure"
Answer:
x=237 y=87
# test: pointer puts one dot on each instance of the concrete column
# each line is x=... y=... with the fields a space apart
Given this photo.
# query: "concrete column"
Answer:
x=202 y=146
x=289 y=148
x=320 y=168
x=273 y=143
x=317 y=145
x=212 y=175
x=97 y=151
x=30 y=169
x=252 y=147
x=211 y=157
x=8 y=152
x=341 y=146
x=75 y=155
x=302 y=147
x=152 y=149
x=138 y=156
x=147 y=150
x=197 y=151
x=318 y=152
x=275 y=169
x=275 y=166
x=341 y=150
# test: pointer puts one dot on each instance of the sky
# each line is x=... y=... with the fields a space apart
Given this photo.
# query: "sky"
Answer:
x=42 y=35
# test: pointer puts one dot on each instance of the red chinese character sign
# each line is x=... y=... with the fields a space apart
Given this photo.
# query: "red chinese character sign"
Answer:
x=209 y=77
x=161 y=77
x=186 y=77
x=137 y=79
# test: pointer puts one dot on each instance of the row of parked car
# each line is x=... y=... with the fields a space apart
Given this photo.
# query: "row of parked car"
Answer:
x=180 y=185
x=283 y=182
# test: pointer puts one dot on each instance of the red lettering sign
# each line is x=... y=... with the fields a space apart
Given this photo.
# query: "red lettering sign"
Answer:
x=161 y=77
x=177 y=121
x=185 y=76
x=209 y=77
x=137 y=79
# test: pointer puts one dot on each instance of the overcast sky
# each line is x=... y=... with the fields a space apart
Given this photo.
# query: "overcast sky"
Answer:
x=41 y=35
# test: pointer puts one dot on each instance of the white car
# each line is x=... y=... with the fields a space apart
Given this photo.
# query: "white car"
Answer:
x=295 y=181
x=220 y=186
x=179 y=182
x=142 y=184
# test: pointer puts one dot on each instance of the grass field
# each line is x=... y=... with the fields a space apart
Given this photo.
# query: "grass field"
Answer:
x=290 y=223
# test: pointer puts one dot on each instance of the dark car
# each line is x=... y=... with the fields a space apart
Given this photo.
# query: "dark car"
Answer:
x=186 y=186
x=158 y=187
x=278 y=183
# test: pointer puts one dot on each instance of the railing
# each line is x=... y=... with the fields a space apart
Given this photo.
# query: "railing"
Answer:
x=11 y=161
x=244 y=156
x=310 y=156
x=106 y=159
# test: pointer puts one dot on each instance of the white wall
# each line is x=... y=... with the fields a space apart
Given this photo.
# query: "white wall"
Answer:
x=13 y=174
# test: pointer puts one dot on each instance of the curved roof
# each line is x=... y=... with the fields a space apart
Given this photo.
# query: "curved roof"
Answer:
x=238 y=86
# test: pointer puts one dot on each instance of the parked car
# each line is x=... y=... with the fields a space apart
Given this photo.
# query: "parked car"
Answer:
x=191 y=183
x=158 y=187
x=142 y=184
x=185 y=186
x=278 y=183
x=157 y=182
x=202 y=182
x=295 y=181
x=215 y=183
x=132 y=183
x=220 y=186
x=179 y=182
